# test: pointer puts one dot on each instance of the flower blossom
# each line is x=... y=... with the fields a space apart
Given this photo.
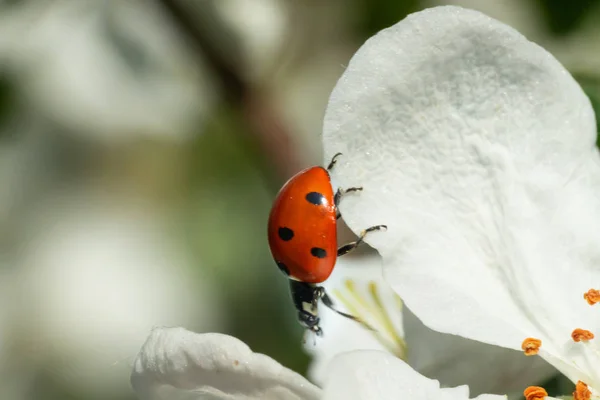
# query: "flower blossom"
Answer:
x=476 y=147
x=178 y=364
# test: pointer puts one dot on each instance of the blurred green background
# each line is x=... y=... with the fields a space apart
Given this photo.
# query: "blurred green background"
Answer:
x=141 y=146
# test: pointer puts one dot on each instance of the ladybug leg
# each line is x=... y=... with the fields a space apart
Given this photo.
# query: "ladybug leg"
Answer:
x=318 y=293
x=333 y=161
x=340 y=192
x=347 y=248
x=338 y=197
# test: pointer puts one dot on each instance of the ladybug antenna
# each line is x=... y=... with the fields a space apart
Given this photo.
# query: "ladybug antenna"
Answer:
x=329 y=303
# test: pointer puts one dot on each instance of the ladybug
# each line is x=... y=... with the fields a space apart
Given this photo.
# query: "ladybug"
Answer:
x=302 y=233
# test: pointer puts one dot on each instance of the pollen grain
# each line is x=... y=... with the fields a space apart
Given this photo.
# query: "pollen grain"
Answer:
x=531 y=346
x=592 y=296
x=535 y=393
x=581 y=335
x=582 y=392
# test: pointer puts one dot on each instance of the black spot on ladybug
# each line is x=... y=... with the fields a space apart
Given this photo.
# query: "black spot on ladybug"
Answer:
x=285 y=233
x=318 y=252
x=315 y=198
x=283 y=268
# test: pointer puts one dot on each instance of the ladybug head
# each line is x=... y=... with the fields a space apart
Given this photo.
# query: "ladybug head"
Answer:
x=306 y=298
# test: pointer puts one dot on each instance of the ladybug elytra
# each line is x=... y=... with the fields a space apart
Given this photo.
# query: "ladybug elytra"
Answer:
x=302 y=233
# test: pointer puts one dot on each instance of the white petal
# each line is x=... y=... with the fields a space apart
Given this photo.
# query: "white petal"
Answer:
x=450 y=359
x=178 y=364
x=524 y=16
x=454 y=360
x=369 y=374
x=476 y=148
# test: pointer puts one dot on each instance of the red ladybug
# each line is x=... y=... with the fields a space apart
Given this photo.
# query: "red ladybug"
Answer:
x=303 y=238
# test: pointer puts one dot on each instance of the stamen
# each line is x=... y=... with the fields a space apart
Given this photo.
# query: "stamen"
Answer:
x=340 y=296
x=531 y=346
x=350 y=306
x=582 y=335
x=399 y=302
x=582 y=392
x=351 y=288
x=592 y=296
x=386 y=320
x=373 y=308
x=535 y=393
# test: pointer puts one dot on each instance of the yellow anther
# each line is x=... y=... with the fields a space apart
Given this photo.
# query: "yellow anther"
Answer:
x=581 y=335
x=582 y=392
x=592 y=296
x=535 y=393
x=531 y=346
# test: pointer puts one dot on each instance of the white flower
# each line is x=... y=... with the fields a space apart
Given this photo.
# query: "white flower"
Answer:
x=358 y=287
x=178 y=364
x=476 y=148
x=454 y=89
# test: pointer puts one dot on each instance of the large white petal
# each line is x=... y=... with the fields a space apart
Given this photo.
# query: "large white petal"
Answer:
x=178 y=364
x=476 y=148
x=371 y=374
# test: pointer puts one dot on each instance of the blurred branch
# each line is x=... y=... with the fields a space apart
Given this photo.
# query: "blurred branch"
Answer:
x=233 y=84
x=257 y=110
